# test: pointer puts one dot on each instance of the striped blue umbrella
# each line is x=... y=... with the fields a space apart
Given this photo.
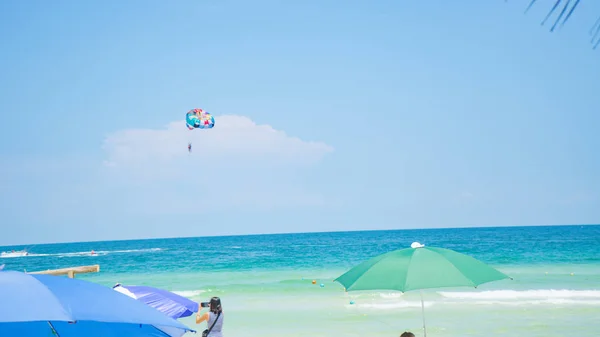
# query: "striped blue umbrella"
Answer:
x=170 y=304
x=45 y=305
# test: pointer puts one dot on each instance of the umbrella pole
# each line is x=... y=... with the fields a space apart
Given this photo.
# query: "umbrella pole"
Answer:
x=54 y=332
x=423 y=313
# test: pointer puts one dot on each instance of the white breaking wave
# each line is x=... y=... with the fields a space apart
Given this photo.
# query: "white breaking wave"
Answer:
x=391 y=305
x=539 y=302
x=98 y=252
x=523 y=294
x=189 y=293
x=390 y=295
x=510 y=298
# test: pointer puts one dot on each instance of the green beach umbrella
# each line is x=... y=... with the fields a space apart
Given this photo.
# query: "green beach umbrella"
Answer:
x=418 y=268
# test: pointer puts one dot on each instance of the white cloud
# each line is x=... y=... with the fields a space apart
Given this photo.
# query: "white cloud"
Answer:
x=234 y=140
x=236 y=165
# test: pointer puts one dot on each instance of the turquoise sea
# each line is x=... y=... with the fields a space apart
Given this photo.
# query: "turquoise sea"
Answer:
x=265 y=281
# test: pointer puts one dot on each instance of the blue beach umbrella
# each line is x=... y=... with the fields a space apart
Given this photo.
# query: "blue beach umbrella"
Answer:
x=170 y=304
x=45 y=305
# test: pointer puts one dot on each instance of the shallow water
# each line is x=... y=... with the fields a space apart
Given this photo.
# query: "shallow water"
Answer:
x=265 y=281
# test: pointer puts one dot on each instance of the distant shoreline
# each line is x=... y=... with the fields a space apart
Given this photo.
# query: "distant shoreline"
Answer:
x=298 y=233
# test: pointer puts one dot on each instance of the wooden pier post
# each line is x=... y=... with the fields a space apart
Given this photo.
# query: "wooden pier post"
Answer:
x=70 y=272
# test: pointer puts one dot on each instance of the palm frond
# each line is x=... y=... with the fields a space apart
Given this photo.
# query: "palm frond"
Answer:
x=568 y=8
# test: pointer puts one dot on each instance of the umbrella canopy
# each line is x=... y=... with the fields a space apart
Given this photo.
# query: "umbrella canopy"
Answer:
x=168 y=303
x=44 y=305
x=418 y=268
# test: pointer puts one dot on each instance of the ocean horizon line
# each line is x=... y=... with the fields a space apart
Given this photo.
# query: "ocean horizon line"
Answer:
x=29 y=245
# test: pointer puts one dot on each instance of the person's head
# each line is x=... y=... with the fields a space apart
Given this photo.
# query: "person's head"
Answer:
x=407 y=334
x=215 y=305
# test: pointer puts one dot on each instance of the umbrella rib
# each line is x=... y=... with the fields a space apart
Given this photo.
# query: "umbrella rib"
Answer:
x=407 y=272
x=54 y=332
x=358 y=278
x=403 y=285
x=164 y=333
x=461 y=273
x=450 y=262
x=455 y=268
x=374 y=264
x=70 y=315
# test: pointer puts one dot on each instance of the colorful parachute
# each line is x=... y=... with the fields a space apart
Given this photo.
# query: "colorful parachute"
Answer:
x=199 y=119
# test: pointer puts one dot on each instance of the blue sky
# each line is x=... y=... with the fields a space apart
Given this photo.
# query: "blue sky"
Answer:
x=329 y=115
